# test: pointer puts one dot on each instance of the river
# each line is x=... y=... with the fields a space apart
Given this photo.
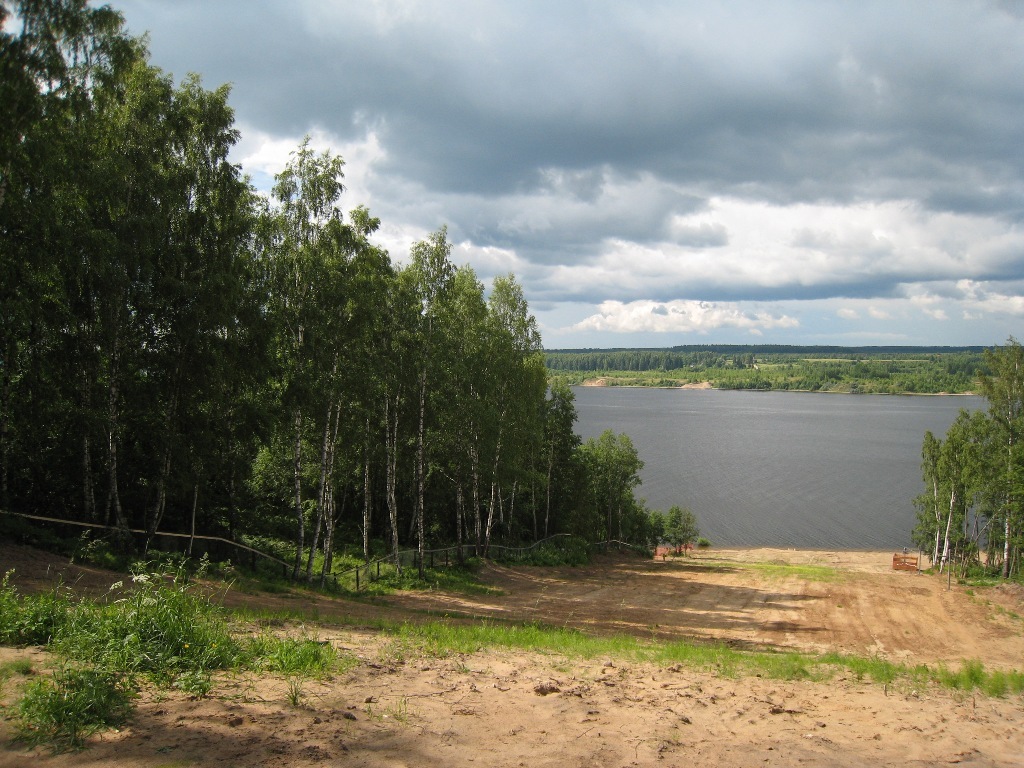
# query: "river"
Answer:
x=778 y=469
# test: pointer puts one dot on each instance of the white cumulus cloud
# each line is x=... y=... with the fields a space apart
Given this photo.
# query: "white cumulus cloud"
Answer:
x=679 y=317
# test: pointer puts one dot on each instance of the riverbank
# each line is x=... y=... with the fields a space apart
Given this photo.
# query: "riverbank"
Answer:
x=401 y=703
x=611 y=382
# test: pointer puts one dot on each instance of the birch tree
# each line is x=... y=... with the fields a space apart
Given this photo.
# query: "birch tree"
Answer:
x=1004 y=389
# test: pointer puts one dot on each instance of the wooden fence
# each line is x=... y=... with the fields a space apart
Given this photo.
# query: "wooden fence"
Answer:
x=358 y=577
x=214 y=545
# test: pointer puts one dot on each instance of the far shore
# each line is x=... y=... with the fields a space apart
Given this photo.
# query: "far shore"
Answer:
x=602 y=381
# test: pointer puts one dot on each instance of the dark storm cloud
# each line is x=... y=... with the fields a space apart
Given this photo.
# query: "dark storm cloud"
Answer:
x=642 y=150
x=816 y=100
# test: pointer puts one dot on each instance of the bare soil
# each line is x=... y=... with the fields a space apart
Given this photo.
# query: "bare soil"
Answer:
x=499 y=708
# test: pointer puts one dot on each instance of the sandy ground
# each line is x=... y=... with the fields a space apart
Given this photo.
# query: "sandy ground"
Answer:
x=498 y=708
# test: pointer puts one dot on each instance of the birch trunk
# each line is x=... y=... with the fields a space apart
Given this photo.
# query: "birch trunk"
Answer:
x=391 y=467
x=113 y=422
x=366 y=492
x=297 y=474
x=420 y=469
x=494 y=489
x=949 y=525
x=324 y=488
x=192 y=528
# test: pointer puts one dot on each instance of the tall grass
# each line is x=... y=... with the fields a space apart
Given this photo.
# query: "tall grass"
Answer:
x=74 y=703
x=31 y=621
x=160 y=629
x=161 y=626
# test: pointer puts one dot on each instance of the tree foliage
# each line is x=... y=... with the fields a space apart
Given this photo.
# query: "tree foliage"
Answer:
x=179 y=353
x=974 y=477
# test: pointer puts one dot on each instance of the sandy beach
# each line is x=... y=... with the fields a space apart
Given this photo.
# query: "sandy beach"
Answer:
x=398 y=706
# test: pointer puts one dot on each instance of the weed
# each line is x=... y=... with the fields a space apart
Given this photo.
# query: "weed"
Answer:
x=22 y=667
x=289 y=655
x=971 y=675
x=31 y=620
x=161 y=627
x=296 y=695
x=76 y=702
x=398 y=712
x=195 y=683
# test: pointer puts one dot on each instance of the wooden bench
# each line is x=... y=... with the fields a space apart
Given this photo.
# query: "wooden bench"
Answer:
x=904 y=562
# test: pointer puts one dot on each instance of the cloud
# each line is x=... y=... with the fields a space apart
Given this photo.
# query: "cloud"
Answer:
x=855 y=166
x=678 y=317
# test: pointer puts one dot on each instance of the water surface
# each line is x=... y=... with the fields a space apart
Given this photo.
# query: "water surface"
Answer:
x=779 y=469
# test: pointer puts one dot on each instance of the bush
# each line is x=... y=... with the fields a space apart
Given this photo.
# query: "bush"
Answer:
x=563 y=550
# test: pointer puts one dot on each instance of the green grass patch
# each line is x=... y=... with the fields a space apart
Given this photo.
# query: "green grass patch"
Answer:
x=443 y=639
x=564 y=550
x=159 y=628
x=385 y=579
x=781 y=570
x=74 y=703
x=9 y=669
x=32 y=621
x=302 y=656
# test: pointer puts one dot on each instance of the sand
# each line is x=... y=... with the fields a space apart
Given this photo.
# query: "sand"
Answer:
x=498 y=708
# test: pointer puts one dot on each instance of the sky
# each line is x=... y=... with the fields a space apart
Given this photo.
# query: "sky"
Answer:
x=658 y=173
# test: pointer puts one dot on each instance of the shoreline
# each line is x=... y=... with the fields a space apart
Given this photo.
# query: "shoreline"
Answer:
x=706 y=386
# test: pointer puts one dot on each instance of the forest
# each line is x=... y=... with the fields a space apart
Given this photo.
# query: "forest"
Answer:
x=880 y=370
x=179 y=352
x=969 y=515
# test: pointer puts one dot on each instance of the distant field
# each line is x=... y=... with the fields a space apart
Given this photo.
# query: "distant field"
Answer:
x=869 y=370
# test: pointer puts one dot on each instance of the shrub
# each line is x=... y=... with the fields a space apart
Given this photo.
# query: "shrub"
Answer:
x=564 y=550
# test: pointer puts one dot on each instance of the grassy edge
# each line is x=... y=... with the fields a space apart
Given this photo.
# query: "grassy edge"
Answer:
x=453 y=636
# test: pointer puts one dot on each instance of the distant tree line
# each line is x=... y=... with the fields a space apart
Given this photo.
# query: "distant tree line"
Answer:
x=178 y=351
x=973 y=501
x=912 y=370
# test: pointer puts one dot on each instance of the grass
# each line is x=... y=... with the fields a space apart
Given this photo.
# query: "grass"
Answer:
x=455 y=579
x=304 y=656
x=21 y=667
x=399 y=711
x=30 y=622
x=159 y=630
x=446 y=639
x=782 y=570
x=74 y=703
